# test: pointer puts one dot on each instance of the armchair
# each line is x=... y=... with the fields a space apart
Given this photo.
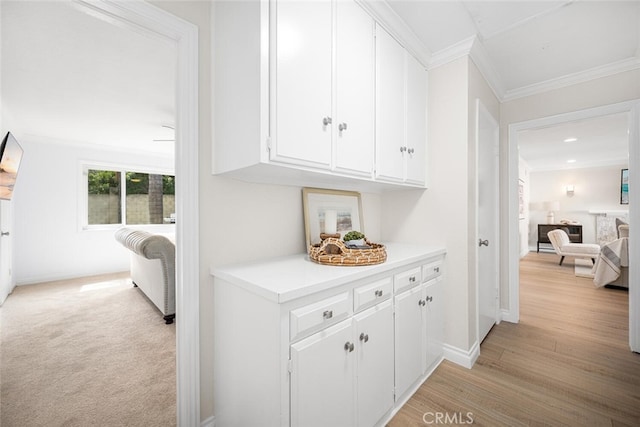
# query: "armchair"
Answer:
x=563 y=246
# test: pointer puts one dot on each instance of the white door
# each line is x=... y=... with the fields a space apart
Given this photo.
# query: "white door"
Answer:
x=374 y=336
x=487 y=219
x=435 y=315
x=323 y=378
x=416 y=121
x=303 y=83
x=355 y=86
x=6 y=284
x=390 y=105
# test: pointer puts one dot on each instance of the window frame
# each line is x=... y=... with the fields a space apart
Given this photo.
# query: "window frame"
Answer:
x=83 y=199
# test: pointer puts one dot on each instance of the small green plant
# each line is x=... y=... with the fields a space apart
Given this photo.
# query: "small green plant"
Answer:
x=353 y=235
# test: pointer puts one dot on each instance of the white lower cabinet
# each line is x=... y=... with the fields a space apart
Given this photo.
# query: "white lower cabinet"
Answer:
x=343 y=376
x=344 y=351
x=418 y=333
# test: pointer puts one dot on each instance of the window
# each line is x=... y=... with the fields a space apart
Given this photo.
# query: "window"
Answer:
x=144 y=198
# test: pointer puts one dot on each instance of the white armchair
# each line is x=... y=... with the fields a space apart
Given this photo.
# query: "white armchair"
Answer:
x=563 y=246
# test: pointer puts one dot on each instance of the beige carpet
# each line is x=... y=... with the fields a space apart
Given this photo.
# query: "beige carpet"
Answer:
x=85 y=353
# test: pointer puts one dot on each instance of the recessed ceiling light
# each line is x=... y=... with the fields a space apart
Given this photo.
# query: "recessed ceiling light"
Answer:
x=571 y=140
x=571 y=161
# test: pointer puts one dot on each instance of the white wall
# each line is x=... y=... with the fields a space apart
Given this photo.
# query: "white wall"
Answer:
x=48 y=242
x=596 y=189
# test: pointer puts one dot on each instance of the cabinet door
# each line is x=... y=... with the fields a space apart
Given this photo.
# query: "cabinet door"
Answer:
x=374 y=333
x=409 y=335
x=390 y=106
x=416 y=121
x=355 y=85
x=302 y=83
x=323 y=378
x=435 y=321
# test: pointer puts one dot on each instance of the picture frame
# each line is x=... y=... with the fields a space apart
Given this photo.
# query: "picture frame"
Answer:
x=344 y=207
x=624 y=187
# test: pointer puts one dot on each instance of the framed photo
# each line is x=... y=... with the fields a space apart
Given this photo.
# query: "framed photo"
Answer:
x=331 y=212
x=624 y=187
x=520 y=199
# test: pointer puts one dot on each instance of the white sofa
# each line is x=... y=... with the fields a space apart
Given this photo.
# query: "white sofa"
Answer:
x=152 y=267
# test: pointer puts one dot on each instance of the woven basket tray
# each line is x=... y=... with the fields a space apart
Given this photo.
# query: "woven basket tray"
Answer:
x=333 y=251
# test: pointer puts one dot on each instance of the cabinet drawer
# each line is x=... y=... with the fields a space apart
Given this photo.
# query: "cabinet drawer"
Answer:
x=431 y=270
x=371 y=294
x=407 y=279
x=314 y=317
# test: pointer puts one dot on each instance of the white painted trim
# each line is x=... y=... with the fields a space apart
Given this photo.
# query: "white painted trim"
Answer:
x=383 y=14
x=462 y=357
x=572 y=79
x=138 y=15
x=512 y=250
x=634 y=231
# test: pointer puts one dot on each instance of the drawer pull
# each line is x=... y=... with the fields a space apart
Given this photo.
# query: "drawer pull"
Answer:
x=412 y=278
x=378 y=293
x=328 y=314
x=364 y=337
x=436 y=269
x=429 y=299
x=348 y=346
x=422 y=303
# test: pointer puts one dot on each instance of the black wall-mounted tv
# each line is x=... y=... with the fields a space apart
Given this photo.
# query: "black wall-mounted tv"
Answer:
x=10 y=157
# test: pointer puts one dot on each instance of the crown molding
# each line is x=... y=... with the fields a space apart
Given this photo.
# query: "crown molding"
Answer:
x=628 y=64
x=384 y=15
x=473 y=48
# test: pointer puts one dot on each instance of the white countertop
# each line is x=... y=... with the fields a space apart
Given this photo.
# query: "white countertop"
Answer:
x=286 y=278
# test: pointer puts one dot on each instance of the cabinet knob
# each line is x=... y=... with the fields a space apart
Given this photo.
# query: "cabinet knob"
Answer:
x=378 y=293
x=411 y=151
x=326 y=121
x=429 y=298
x=348 y=346
x=342 y=126
x=403 y=149
x=328 y=314
x=422 y=303
x=364 y=337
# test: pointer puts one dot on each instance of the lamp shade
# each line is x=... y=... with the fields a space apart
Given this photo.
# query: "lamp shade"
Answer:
x=552 y=206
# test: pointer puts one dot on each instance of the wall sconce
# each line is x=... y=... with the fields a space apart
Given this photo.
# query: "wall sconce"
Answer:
x=570 y=190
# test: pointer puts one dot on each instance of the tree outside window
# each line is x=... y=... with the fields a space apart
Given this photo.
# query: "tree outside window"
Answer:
x=149 y=198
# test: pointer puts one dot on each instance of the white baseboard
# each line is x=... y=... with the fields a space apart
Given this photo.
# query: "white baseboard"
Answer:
x=462 y=357
x=508 y=316
x=209 y=422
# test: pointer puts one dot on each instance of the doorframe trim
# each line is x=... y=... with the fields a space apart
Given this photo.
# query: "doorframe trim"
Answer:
x=140 y=16
x=512 y=314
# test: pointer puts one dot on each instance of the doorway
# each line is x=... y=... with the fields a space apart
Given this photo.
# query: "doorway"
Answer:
x=512 y=253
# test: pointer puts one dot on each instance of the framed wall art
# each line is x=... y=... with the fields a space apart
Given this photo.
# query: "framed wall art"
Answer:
x=331 y=212
x=624 y=187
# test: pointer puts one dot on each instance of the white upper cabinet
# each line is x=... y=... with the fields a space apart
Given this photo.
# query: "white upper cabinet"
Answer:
x=401 y=113
x=390 y=107
x=302 y=95
x=354 y=112
x=306 y=93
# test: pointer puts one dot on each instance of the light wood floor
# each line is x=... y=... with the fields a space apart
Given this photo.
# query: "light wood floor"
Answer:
x=566 y=363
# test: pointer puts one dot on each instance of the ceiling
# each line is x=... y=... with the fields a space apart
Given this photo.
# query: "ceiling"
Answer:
x=72 y=77
x=597 y=142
